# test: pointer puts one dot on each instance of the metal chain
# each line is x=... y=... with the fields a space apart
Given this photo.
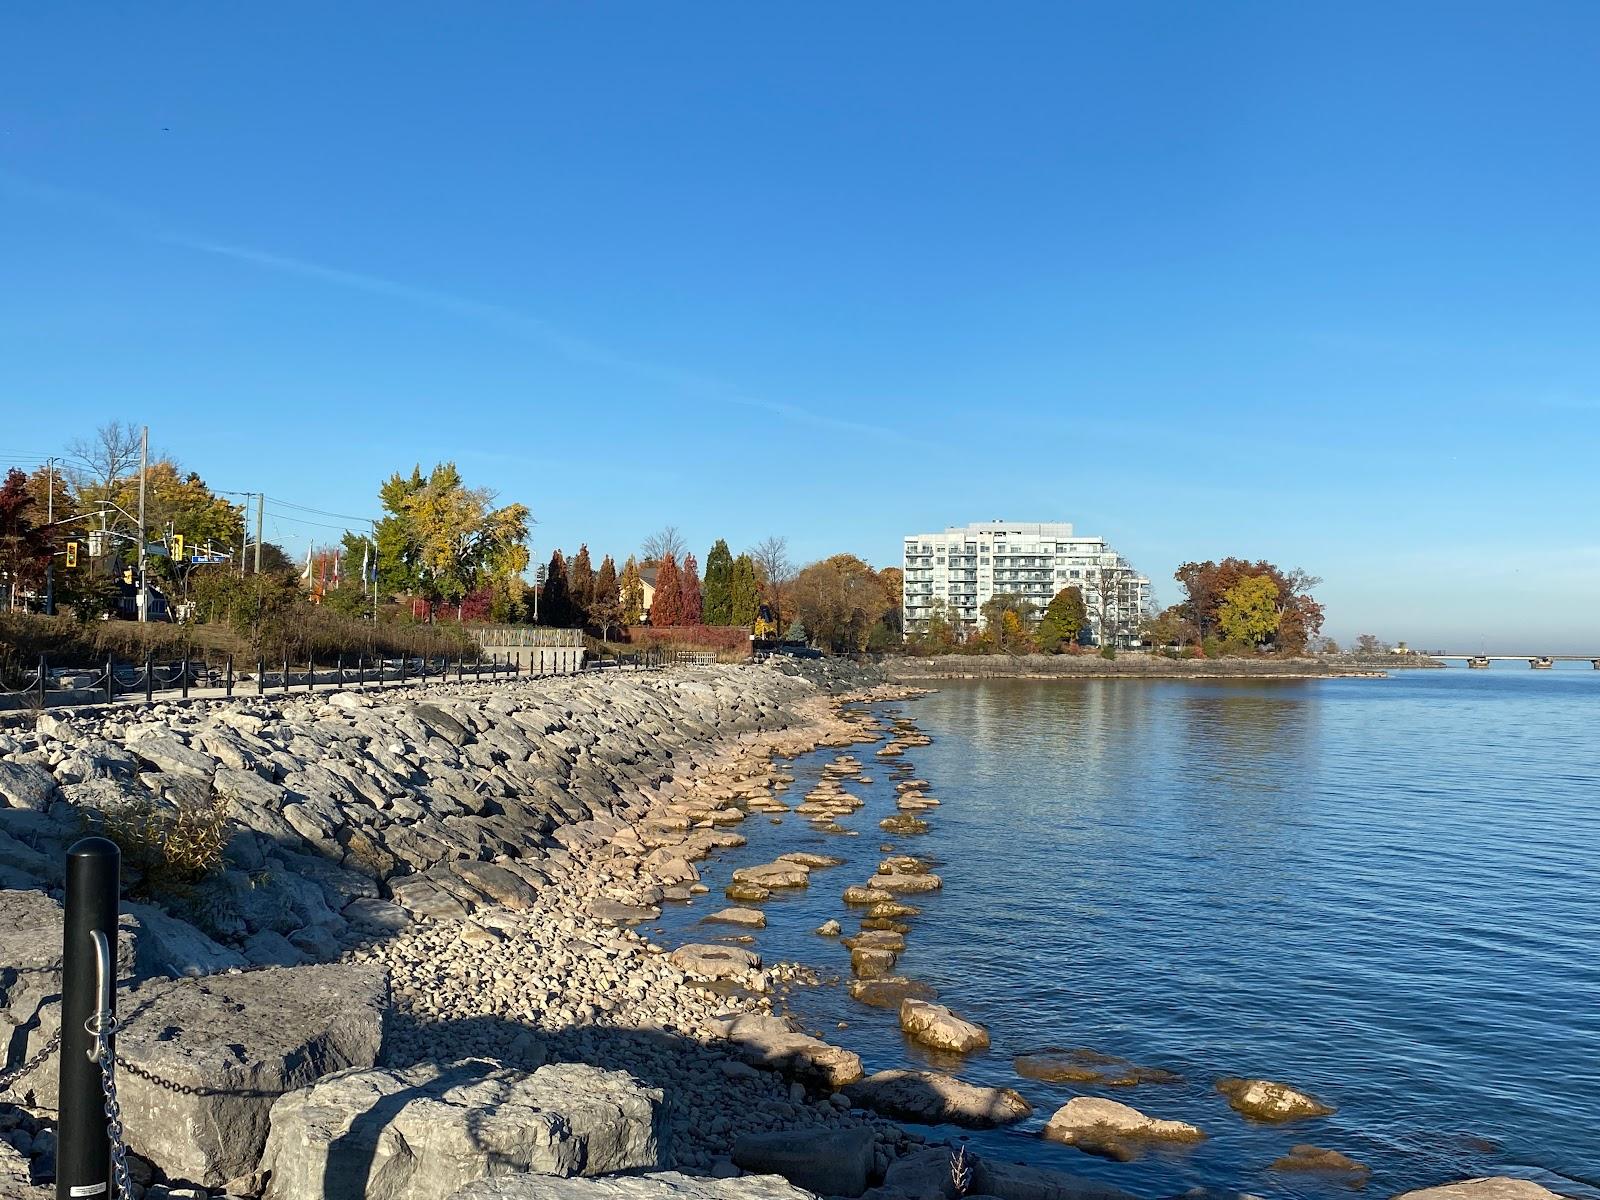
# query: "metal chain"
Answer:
x=184 y=1089
x=102 y=1031
x=7 y=1081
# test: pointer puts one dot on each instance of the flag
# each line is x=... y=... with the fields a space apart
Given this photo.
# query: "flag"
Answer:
x=337 y=556
x=367 y=575
x=306 y=574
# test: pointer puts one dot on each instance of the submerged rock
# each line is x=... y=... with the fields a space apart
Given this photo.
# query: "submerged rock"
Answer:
x=933 y=1098
x=936 y=1026
x=925 y=1174
x=890 y=991
x=1055 y=1064
x=1263 y=1100
x=1316 y=1160
x=1113 y=1130
x=754 y=918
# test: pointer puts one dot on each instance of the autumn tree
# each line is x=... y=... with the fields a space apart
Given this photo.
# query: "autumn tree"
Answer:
x=841 y=603
x=1006 y=621
x=630 y=588
x=689 y=591
x=1063 y=621
x=666 y=608
x=24 y=546
x=1248 y=614
x=441 y=540
x=744 y=592
x=1206 y=584
x=605 y=609
x=717 y=594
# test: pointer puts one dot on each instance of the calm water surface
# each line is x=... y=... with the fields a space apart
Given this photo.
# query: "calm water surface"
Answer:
x=1386 y=892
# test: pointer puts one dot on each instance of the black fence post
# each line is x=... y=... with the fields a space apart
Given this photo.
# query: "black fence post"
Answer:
x=229 y=683
x=338 y=667
x=311 y=671
x=88 y=994
x=111 y=681
x=44 y=674
x=261 y=675
x=361 y=671
x=404 y=659
x=149 y=679
x=183 y=676
x=461 y=668
x=286 y=672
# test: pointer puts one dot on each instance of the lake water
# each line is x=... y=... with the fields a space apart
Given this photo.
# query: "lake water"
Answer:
x=1383 y=891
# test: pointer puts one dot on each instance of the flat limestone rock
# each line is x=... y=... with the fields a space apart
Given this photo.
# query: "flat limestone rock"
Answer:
x=1113 y=1130
x=1488 y=1187
x=936 y=1026
x=1318 y=1161
x=1263 y=1100
x=933 y=1098
x=665 y=1185
x=242 y=1040
x=752 y=918
x=714 y=962
x=426 y=1132
x=778 y=1044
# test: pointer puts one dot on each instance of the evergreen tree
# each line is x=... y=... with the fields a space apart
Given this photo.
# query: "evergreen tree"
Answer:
x=630 y=587
x=605 y=610
x=667 y=607
x=689 y=589
x=744 y=592
x=717 y=595
x=555 y=602
x=1063 y=620
x=580 y=586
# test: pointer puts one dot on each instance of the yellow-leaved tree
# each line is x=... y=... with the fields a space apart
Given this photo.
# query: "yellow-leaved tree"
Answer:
x=1249 y=613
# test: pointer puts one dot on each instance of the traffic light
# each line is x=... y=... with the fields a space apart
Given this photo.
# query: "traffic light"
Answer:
x=72 y=554
x=177 y=547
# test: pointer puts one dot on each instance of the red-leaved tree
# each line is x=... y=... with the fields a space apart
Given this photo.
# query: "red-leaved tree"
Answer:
x=689 y=589
x=667 y=606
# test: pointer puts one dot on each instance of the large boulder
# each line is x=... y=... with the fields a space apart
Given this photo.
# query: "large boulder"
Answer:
x=714 y=962
x=933 y=1098
x=1113 y=1130
x=224 y=1048
x=778 y=1044
x=835 y=1162
x=1263 y=1100
x=27 y=786
x=425 y=1132
x=936 y=1026
x=665 y=1185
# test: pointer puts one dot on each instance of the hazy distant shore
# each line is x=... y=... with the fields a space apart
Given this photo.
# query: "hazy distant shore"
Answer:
x=1145 y=666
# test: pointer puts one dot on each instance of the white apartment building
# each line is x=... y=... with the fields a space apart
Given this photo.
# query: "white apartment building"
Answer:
x=965 y=566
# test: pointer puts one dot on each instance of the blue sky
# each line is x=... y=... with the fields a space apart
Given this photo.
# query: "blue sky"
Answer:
x=1314 y=283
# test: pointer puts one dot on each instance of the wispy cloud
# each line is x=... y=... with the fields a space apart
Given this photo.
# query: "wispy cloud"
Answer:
x=512 y=320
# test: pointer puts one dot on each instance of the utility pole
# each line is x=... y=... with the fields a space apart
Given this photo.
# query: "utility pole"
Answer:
x=144 y=462
x=50 y=519
x=261 y=516
x=244 y=532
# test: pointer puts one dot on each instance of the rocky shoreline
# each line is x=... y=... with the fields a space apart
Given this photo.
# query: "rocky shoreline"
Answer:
x=422 y=973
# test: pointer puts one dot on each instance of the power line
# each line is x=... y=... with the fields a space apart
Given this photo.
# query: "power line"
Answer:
x=321 y=512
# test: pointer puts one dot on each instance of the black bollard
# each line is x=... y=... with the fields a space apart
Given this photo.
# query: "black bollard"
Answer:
x=261 y=675
x=338 y=667
x=44 y=674
x=83 y=1151
x=111 y=681
x=311 y=671
x=183 y=676
x=229 y=683
x=286 y=672
x=149 y=679
x=403 y=660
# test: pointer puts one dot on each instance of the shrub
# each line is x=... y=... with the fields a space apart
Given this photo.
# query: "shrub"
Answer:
x=1108 y=652
x=170 y=847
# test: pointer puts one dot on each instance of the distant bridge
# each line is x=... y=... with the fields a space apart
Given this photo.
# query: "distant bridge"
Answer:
x=1532 y=660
